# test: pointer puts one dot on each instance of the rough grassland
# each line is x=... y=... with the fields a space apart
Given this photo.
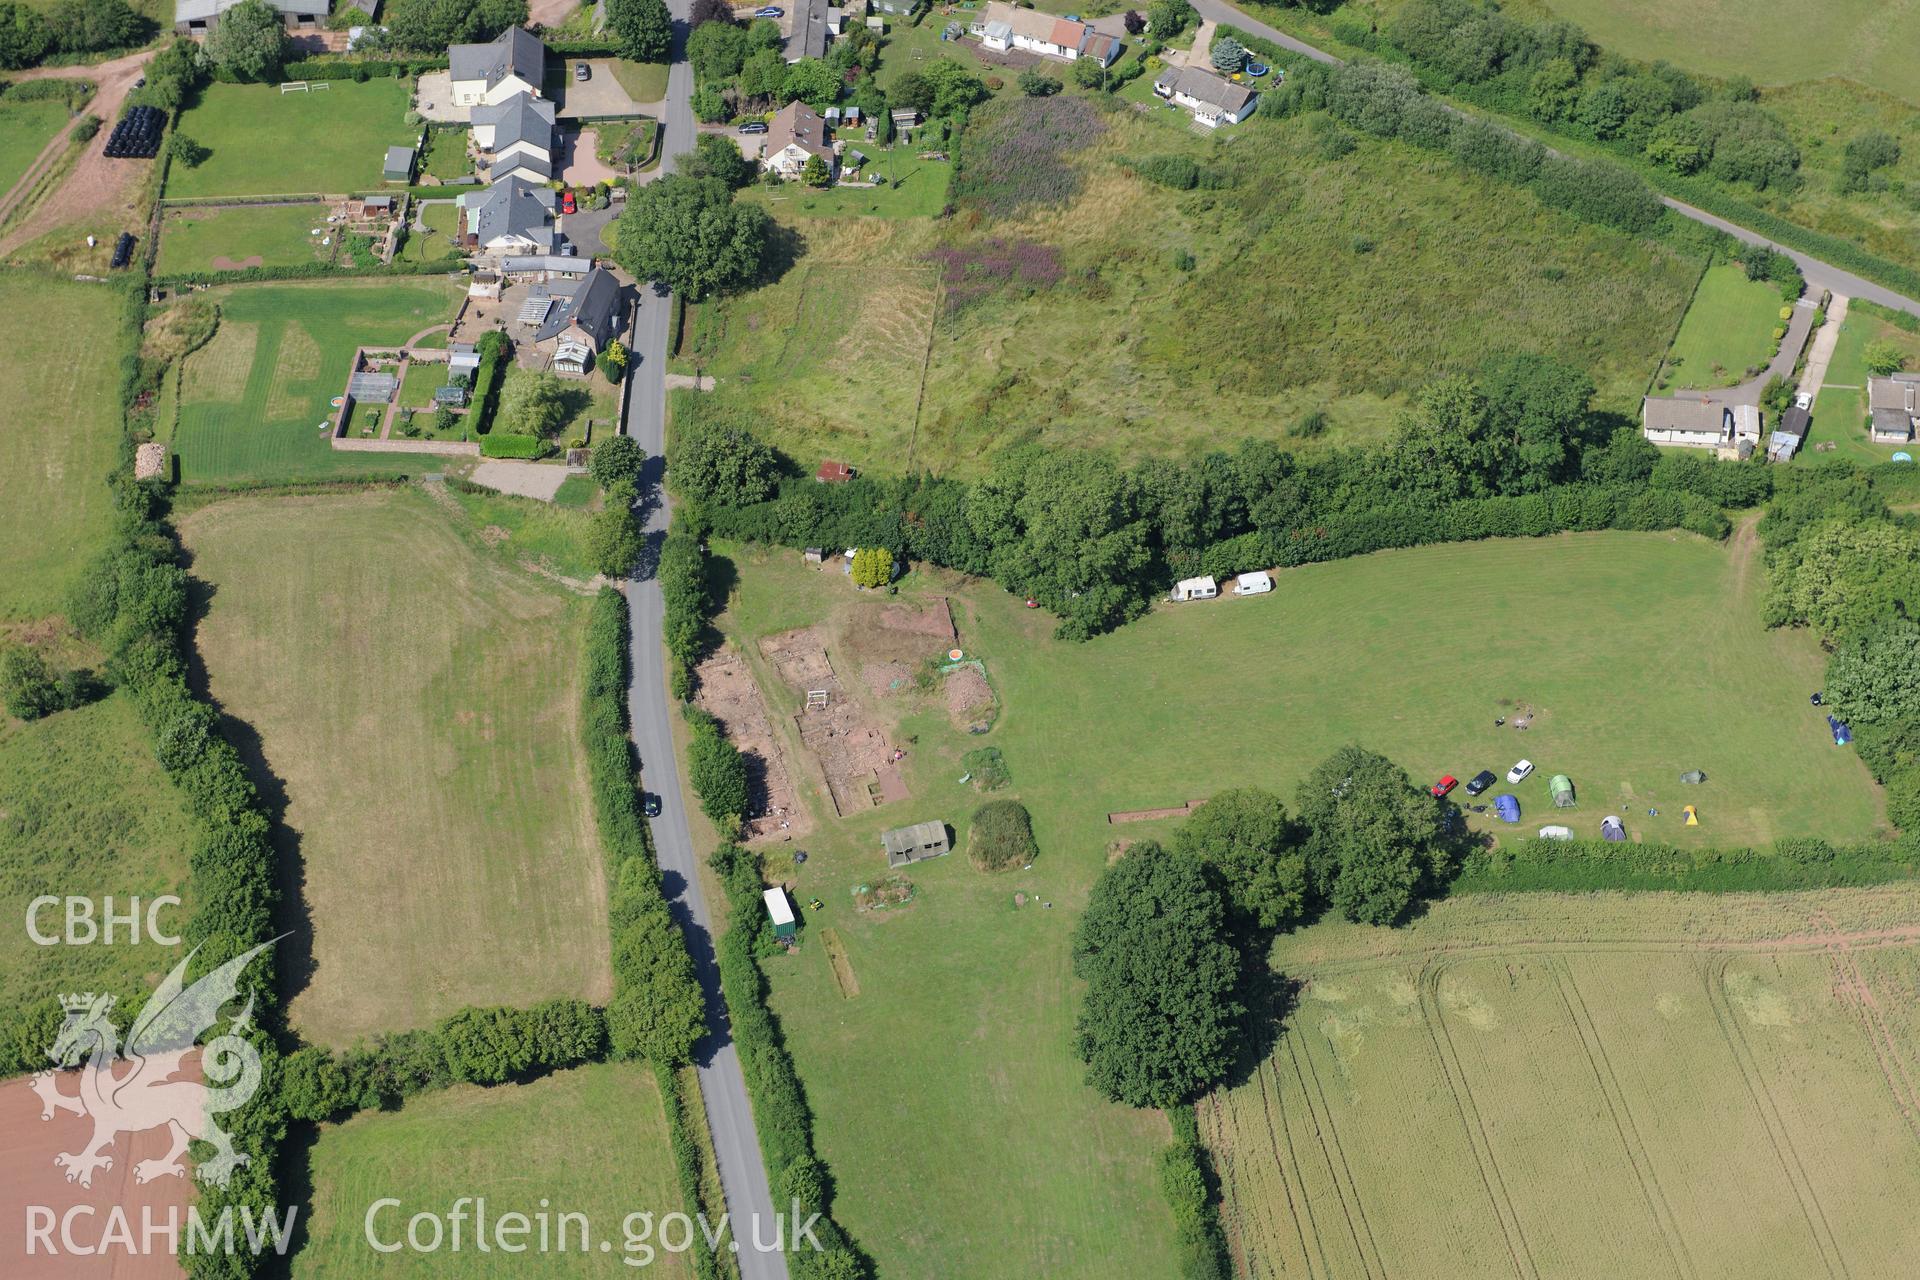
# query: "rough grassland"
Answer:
x=418 y=701
x=25 y=128
x=591 y=1141
x=1338 y=285
x=264 y=142
x=1601 y=1085
x=1728 y=329
x=59 y=430
x=278 y=234
x=254 y=396
x=84 y=810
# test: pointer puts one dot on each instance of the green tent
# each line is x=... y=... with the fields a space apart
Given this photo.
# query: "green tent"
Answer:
x=1562 y=788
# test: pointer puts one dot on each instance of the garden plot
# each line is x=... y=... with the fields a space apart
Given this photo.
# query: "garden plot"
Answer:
x=235 y=237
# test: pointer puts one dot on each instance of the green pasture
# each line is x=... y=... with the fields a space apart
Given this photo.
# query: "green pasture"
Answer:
x=59 y=434
x=256 y=395
x=232 y=237
x=25 y=130
x=591 y=1141
x=1727 y=331
x=264 y=142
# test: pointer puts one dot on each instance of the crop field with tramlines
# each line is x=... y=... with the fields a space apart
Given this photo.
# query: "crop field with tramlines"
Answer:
x=1602 y=1086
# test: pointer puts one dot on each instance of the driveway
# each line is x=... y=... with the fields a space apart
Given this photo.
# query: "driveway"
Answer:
x=598 y=95
x=579 y=166
x=1781 y=366
x=584 y=228
x=1824 y=341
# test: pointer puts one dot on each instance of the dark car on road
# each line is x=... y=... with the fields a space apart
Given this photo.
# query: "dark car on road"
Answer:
x=1480 y=782
x=651 y=803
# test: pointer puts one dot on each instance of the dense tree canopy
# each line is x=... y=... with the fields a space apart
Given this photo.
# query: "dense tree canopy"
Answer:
x=688 y=233
x=429 y=26
x=643 y=28
x=715 y=155
x=717 y=461
x=1843 y=577
x=1244 y=835
x=1874 y=675
x=1374 y=838
x=1160 y=1018
x=534 y=402
x=615 y=459
x=249 y=42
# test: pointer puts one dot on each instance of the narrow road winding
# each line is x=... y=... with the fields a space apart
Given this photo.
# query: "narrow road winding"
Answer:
x=743 y=1173
x=1819 y=274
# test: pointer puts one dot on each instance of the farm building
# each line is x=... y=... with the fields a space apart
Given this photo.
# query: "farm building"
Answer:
x=780 y=912
x=1195 y=589
x=916 y=843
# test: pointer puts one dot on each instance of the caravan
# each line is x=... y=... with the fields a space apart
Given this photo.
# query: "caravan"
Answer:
x=1195 y=589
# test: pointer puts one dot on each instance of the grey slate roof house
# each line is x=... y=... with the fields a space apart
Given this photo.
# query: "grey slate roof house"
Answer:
x=511 y=216
x=1213 y=100
x=197 y=17
x=513 y=62
x=809 y=35
x=1700 y=420
x=585 y=323
x=1893 y=407
x=519 y=120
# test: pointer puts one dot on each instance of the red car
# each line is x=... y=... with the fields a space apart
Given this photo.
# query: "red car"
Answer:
x=1445 y=785
x=567 y=203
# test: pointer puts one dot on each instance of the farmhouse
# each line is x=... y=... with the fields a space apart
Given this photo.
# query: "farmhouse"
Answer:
x=916 y=843
x=1699 y=421
x=516 y=136
x=581 y=326
x=1893 y=407
x=490 y=73
x=793 y=136
x=1214 y=100
x=513 y=216
x=197 y=17
x=1005 y=28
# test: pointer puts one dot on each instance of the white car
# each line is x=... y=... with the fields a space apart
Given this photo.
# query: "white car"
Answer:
x=1803 y=401
x=1520 y=771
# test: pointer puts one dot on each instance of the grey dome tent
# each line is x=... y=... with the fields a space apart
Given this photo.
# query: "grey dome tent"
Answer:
x=1612 y=829
x=1562 y=788
x=1507 y=807
x=1693 y=775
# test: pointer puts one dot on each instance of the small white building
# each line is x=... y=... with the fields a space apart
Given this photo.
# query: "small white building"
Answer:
x=1257 y=583
x=779 y=912
x=1195 y=589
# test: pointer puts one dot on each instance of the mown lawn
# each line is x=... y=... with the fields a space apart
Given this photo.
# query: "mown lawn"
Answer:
x=85 y=810
x=256 y=396
x=1840 y=414
x=264 y=142
x=230 y=237
x=25 y=130
x=1728 y=331
x=446 y=156
x=643 y=81
x=914 y=188
x=417 y=697
x=433 y=239
x=59 y=434
x=1154 y=322
x=946 y=1092
x=545 y=1148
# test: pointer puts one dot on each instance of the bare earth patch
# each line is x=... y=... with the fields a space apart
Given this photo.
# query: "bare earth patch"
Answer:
x=527 y=479
x=729 y=692
x=855 y=753
x=222 y=262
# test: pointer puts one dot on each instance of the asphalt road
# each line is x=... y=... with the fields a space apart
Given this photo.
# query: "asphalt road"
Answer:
x=743 y=1173
x=1819 y=274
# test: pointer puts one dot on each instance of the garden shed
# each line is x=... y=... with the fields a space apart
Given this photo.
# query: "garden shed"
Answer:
x=916 y=843
x=1562 y=788
x=780 y=912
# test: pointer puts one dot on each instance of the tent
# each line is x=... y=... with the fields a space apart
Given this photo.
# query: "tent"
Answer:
x=1507 y=807
x=1611 y=828
x=1693 y=815
x=1556 y=833
x=1842 y=734
x=1693 y=775
x=1562 y=788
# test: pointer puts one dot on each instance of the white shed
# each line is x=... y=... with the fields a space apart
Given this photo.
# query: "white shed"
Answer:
x=1195 y=589
x=1257 y=583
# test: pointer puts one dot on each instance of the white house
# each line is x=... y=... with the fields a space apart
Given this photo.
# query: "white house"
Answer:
x=1214 y=100
x=513 y=62
x=1696 y=420
x=1004 y=27
x=794 y=135
x=516 y=135
x=1195 y=589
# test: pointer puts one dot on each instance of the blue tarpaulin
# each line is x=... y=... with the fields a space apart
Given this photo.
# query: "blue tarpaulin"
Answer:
x=1507 y=807
x=1842 y=735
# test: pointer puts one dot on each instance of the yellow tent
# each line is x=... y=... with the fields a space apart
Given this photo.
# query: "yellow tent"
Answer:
x=1693 y=818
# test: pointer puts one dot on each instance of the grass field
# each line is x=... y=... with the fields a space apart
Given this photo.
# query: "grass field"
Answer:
x=1840 y=414
x=25 y=130
x=343 y=132
x=1728 y=330
x=549 y=535
x=1601 y=1086
x=591 y=1141
x=1339 y=285
x=965 y=1002
x=84 y=810
x=417 y=698
x=219 y=238
x=59 y=434
x=256 y=395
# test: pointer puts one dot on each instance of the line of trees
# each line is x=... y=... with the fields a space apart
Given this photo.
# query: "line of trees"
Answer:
x=29 y=33
x=1512 y=449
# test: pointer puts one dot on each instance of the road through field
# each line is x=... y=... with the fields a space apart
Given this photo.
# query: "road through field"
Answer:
x=743 y=1173
x=1819 y=274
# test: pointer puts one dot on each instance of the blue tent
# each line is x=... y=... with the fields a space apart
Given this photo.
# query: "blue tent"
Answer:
x=1612 y=829
x=1842 y=735
x=1507 y=807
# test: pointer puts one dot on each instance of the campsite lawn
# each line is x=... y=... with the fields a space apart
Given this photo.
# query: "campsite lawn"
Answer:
x=417 y=698
x=256 y=395
x=84 y=809
x=590 y=1141
x=230 y=237
x=1727 y=331
x=59 y=434
x=265 y=142
x=905 y=343
x=25 y=130
x=1840 y=414
x=1603 y=1085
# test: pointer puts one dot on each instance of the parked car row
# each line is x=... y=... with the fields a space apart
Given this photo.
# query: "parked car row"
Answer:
x=1482 y=780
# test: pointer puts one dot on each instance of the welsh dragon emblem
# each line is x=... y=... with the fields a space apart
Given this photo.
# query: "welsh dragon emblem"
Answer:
x=130 y=1089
